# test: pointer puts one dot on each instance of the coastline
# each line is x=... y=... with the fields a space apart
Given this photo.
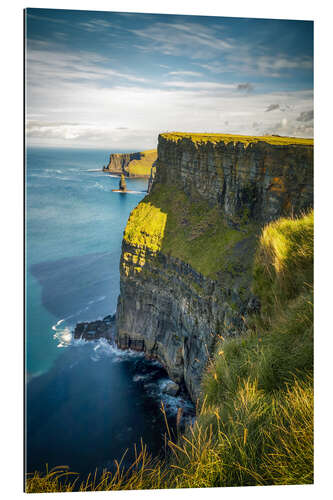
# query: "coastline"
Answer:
x=117 y=174
x=126 y=191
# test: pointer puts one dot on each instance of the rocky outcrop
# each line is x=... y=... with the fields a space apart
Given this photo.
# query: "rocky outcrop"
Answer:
x=132 y=164
x=95 y=330
x=171 y=388
x=151 y=177
x=187 y=252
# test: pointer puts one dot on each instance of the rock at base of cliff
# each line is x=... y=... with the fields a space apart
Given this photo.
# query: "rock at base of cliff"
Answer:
x=171 y=388
x=95 y=329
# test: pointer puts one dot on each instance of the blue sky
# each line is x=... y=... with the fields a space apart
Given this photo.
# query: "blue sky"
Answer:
x=116 y=80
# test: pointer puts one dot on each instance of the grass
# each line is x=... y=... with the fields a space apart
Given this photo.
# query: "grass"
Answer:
x=254 y=421
x=143 y=166
x=168 y=221
x=245 y=139
x=284 y=261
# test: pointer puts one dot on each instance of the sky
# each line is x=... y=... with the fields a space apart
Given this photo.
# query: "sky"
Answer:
x=116 y=80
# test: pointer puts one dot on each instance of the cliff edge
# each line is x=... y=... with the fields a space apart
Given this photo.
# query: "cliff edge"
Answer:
x=132 y=164
x=189 y=246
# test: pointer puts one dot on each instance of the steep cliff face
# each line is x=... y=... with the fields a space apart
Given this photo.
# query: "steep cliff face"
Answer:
x=186 y=265
x=258 y=177
x=132 y=164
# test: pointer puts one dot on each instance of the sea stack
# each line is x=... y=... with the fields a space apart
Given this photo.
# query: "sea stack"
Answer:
x=122 y=183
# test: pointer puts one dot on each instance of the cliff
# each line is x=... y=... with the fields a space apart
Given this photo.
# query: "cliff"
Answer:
x=132 y=164
x=188 y=248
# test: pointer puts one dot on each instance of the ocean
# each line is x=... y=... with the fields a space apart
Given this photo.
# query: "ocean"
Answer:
x=86 y=402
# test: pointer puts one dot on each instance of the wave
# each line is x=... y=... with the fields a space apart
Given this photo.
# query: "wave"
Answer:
x=150 y=379
x=103 y=348
x=92 y=170
x=97 y=185
x=75 y=314
x=64 y=336
x=46 y=173
x=99 y=299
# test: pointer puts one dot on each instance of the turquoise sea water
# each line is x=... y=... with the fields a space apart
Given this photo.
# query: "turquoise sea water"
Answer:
x=86 y=402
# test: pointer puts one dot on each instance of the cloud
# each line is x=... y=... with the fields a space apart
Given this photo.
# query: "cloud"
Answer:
x=84 y=99
x=96 y=25
x=244 y=59
x=247 y=87
x=184 y=73
x=272 y=107
x=45 y=18
x=81 y=115
x=199 y=85
x=305 y=116
x=187 y=39
x=271 y=64
x=48 y=64
x=213 y=67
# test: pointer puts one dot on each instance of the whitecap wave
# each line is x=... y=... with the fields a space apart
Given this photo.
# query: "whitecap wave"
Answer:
x=104 y=348
x=54 y=327
x=92 y=170
x=64 y=336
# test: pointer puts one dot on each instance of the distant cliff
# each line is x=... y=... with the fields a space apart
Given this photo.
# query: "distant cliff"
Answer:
x=187 y=252
x=132 y=164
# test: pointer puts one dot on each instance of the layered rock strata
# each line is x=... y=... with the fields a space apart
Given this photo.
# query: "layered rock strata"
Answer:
x=187 y=252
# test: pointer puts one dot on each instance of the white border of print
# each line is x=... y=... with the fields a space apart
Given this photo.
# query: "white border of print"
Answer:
x=11 y=198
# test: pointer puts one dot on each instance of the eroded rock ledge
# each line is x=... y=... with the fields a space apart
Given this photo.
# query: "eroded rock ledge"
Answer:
x=187 y=252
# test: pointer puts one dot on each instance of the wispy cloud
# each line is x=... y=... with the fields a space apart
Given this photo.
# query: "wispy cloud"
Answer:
x=190 y=39
x=184 y=73
x=244 y=59
x=96 y=25
x=47 y=65
x=46 y=18
x=199 y=85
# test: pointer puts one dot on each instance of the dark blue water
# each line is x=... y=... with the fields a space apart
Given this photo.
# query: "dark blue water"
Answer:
x=87 y=402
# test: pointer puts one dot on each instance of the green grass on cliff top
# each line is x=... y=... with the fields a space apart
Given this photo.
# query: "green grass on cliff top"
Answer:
x=245 y=139
x=142 y=166
x=168 y=221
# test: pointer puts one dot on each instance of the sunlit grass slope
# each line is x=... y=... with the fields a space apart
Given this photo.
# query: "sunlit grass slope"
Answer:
x=255 y=417
x=190 y=230
x=143 y=166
